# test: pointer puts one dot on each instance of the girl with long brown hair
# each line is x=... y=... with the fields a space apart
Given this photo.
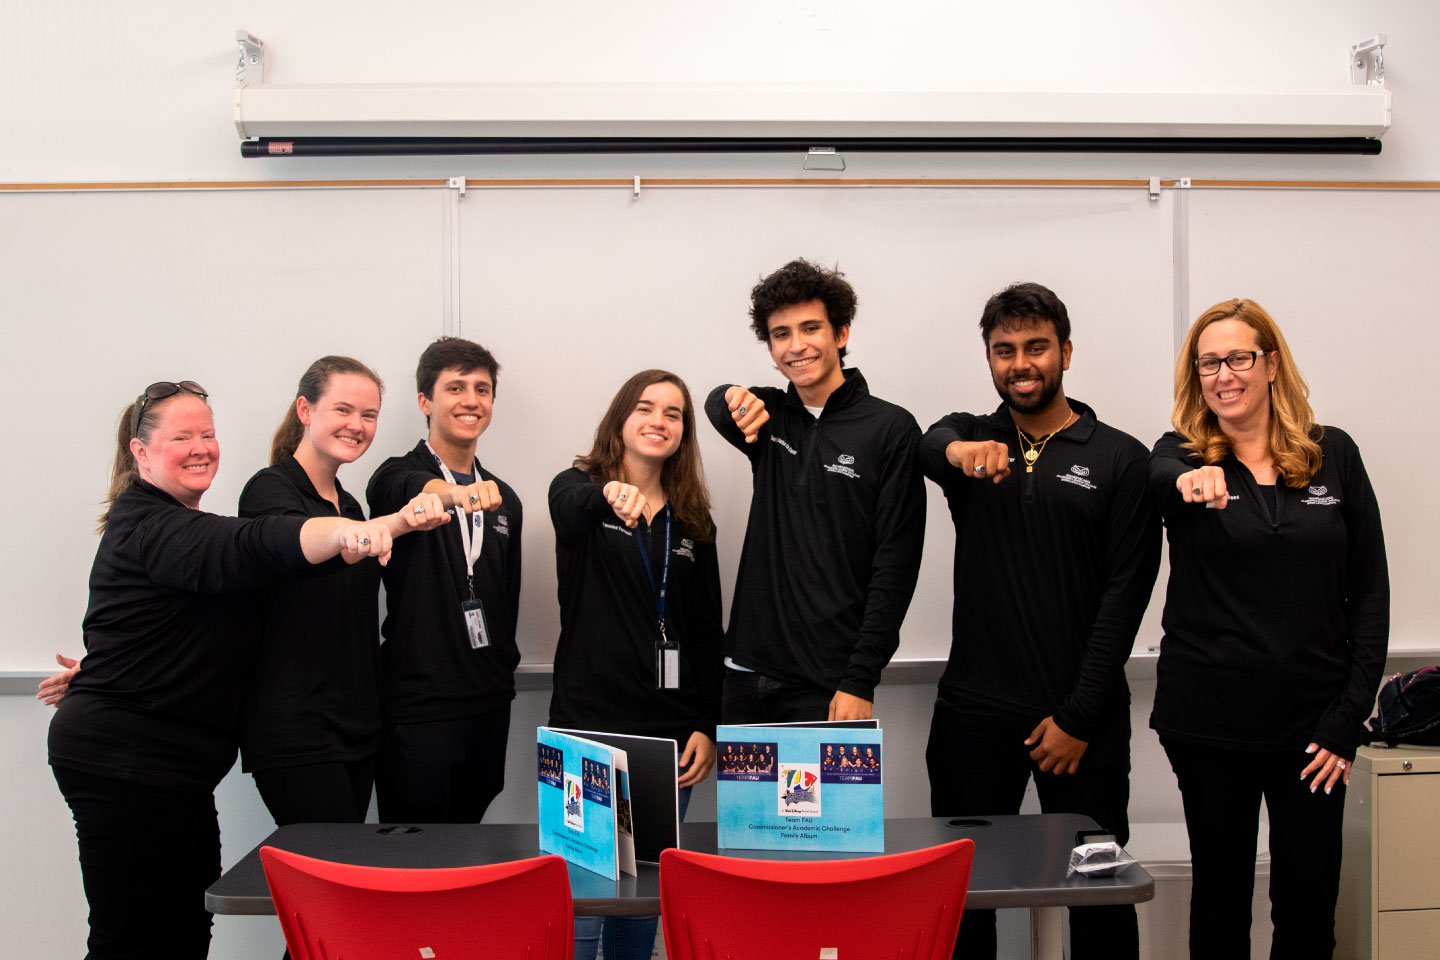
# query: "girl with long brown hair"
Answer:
x=638 y=572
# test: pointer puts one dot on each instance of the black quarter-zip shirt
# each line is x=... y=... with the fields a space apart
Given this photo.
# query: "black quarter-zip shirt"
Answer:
x=1053 y=570
x=1276 y=622
x=429 y=671
x=832 y=547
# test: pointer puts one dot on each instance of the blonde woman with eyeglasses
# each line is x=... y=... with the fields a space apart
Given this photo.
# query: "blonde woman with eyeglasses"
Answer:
x=1275 y=629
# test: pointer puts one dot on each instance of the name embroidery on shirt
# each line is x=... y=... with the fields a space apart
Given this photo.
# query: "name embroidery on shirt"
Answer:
x=842 y=466
x=616 y=527
x=788 y=449
x=1077 y=477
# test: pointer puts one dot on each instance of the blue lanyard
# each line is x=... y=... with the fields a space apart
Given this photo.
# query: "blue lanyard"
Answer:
x=664 y=573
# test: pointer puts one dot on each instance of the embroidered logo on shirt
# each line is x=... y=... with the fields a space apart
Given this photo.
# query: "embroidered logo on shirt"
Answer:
x=686 y=549
x=1318 y=497
x=845 y=458
x=842 y=466
x=501 y=525
x=1318 y=491
x=1077 y=477
x=780 y=440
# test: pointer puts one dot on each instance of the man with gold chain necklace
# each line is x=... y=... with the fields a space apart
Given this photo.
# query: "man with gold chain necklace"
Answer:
x=1056 y=551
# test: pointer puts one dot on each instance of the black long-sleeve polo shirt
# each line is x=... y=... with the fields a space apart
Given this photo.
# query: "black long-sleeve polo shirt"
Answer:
x=605 y=660
x=1053 y=570
x=1276 y=625
x=832 y=547
x=169 y=633
x=313 y=694
x=429 y=671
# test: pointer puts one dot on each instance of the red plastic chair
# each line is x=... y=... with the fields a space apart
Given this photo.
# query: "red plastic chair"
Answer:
x=338 y=911
x=904 y=906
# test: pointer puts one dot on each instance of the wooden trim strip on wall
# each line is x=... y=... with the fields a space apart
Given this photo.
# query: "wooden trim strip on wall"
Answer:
x=712 y=182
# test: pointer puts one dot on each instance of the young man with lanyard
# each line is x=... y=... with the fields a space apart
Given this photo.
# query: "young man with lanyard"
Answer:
x=1056 y=550
x=837 y=518
x=452 y=595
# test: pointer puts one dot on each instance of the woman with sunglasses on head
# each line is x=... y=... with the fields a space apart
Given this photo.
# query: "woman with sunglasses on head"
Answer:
x=638 y=572
x=149 y=725
x=310 y=725
x=1275 y=629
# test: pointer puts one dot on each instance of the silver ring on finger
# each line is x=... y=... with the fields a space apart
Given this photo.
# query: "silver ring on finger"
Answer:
x=364 y=541
x=474 y=499
x=979 y=469
x=1341 y=764
x=419 y=510
x=741 y=411
x=622 y=497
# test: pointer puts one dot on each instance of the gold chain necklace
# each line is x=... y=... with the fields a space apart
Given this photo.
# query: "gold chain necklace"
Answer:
x=1031 y=450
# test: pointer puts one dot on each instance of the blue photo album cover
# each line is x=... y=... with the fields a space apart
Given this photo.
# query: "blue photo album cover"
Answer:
x=583 y=803
x=800 y=787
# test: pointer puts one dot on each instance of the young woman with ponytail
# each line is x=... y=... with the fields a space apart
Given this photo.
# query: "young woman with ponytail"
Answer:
x=150 y=723
x=311 y=723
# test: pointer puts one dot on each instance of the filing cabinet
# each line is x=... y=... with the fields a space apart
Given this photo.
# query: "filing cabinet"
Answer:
x=1389 y=907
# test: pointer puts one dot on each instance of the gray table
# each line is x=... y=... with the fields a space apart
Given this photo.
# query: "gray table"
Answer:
x=1020 y=861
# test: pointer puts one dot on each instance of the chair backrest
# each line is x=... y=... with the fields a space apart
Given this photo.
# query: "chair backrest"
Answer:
x=904 y=906
x=338 y=910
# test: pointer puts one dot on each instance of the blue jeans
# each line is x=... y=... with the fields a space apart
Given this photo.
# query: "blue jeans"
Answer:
x=626 y=938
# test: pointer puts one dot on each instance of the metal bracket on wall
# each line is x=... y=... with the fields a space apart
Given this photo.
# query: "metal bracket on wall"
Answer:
x=1367 y=61
x=824 y=158
x=456 y=183
x=252 y=57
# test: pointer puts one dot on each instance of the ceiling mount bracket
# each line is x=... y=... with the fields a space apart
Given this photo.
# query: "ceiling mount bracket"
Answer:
x=1367 y=61
x=252 y=57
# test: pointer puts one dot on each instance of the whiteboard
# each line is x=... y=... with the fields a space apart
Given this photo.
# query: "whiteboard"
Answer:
x=1352 y=281
x=574 y=289
x=106 y=292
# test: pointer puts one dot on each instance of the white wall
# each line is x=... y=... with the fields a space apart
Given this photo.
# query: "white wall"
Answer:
x=141 y=91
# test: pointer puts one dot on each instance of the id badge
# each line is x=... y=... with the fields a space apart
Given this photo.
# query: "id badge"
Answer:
x=474 y=615
x=667 y=665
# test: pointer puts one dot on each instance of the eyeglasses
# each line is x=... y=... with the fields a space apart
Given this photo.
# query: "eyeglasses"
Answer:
x=159 y=390
x=1239 y=361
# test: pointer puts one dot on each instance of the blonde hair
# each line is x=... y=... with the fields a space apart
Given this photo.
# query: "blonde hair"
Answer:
x=1293 y=431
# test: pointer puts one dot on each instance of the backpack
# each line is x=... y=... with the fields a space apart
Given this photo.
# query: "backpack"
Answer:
x=1408 y=709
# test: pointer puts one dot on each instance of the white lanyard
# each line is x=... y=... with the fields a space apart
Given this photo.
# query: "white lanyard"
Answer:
x=472 y=547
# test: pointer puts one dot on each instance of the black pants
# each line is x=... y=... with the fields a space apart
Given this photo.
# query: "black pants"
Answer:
x=756 y=698
x=146 y=857
x=318 y=792
x=1222 y=790
x=443 y=771
x=979 y=764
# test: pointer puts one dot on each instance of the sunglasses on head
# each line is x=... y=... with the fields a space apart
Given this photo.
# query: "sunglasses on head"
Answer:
x=159 y=390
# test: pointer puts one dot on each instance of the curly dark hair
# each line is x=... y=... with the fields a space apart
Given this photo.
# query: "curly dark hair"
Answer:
x=801 y=281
